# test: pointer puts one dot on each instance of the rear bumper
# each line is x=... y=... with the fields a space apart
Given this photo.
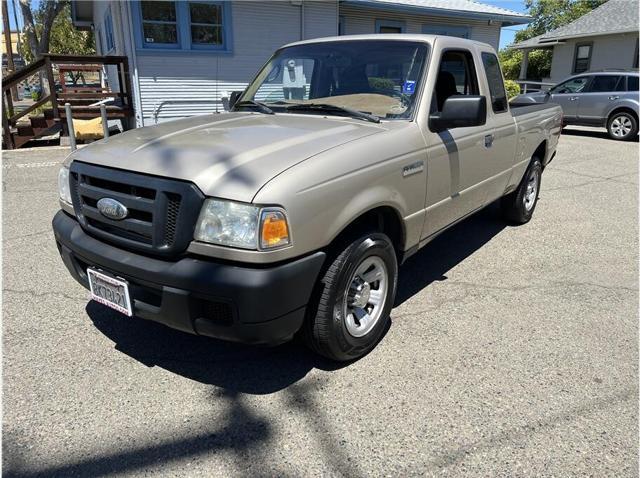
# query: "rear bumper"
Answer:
x=234 y=302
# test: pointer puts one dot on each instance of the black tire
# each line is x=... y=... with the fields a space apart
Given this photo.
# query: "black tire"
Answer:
x=622 y=126
x=325 y=330
x=518 y=206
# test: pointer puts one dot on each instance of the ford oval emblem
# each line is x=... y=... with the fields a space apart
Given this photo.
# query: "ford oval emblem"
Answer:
x=112 y=209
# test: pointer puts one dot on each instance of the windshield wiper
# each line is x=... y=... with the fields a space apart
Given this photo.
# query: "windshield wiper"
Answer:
x=261 y=106
x=333 y=108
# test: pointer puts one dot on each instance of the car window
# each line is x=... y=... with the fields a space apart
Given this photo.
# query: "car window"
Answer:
x=496 y=86
x=574 y=85
x=603 y=83
x=632 y=83
x=456 y=76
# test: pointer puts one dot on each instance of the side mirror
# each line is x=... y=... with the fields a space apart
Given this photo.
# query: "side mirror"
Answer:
x=233 y=99
x=460 y=112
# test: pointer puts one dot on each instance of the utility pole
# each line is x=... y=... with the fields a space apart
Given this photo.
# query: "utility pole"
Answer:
x=7 y=39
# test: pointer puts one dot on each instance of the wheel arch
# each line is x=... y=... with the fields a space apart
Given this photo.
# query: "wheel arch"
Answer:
x=621 y=109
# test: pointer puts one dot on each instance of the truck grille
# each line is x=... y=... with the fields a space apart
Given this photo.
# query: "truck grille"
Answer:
x=161 y=212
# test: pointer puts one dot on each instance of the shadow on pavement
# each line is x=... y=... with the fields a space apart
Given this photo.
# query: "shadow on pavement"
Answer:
x=264 y=370
x=602 y=134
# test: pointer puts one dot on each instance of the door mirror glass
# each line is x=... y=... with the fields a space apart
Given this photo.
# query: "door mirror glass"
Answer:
x=460 y=112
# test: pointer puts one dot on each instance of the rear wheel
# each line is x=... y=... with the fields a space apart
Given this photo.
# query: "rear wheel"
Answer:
x=518 y=206
x=354 y=299
x=622 y=126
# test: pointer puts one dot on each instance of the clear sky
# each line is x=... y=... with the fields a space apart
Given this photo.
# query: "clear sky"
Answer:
x=506 y=36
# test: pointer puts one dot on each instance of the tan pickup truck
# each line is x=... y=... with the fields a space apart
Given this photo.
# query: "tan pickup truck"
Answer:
x=290 y=214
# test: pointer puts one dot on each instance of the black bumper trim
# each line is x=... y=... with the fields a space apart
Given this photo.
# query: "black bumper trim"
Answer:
x=268 y=303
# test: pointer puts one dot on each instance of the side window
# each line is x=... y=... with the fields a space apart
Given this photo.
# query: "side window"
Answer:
x=603 y=83
x=108 y=30
x=574 y=85
x=456 y=76
x=632 y=83
x=496 y=85
x=582 y=58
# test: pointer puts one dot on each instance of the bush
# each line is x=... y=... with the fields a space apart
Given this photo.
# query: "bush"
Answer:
x=513 y=89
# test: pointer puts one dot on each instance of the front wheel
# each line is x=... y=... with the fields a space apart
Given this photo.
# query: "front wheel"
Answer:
x=355 y=297
x=518 y=206
x=622 y=126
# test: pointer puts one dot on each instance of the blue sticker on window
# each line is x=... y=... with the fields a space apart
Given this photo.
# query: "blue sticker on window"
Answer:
x=409 y=87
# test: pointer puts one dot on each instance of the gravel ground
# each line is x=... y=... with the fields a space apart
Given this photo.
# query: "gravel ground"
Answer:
x=513 y=352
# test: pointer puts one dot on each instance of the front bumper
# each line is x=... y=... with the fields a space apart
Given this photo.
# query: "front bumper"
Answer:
x=257 y=305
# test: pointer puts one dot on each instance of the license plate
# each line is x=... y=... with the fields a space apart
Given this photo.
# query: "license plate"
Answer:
x=110 y=291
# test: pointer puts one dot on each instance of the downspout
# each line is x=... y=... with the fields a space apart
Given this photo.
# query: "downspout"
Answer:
x=302 y=20
x=134 y=67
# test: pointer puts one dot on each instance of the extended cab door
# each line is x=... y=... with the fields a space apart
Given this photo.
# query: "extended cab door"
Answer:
x=458 y=159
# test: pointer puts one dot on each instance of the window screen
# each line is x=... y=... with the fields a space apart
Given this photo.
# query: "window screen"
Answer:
x=496 y=86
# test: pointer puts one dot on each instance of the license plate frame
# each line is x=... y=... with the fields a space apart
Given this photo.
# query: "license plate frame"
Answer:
x=108 y=285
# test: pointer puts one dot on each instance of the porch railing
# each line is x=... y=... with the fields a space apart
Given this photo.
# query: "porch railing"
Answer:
x=531 y=86
x=83 y=102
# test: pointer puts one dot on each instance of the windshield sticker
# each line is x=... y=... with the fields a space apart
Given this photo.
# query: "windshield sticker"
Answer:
x=409 y=87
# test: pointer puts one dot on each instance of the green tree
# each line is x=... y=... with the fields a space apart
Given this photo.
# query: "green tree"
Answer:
x=546 y=15
x=48 y=29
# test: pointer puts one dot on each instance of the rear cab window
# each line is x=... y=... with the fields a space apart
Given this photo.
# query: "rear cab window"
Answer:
x=496 y=85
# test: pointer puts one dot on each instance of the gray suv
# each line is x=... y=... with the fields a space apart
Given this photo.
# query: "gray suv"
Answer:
x=605 y=98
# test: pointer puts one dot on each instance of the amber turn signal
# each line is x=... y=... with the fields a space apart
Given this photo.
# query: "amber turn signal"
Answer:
x=274 y=229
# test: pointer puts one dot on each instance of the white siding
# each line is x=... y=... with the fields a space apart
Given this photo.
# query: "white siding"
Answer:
x=361 y=21
x=608 y=51
x=259 y=28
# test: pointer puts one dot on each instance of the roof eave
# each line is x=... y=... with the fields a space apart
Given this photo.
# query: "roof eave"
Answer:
x=562 y=38
x=506 y=20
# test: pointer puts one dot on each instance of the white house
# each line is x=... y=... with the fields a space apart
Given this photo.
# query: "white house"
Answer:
x=186 y=55
x=605 y=38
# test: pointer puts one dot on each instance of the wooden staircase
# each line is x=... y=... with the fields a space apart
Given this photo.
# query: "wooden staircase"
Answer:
x=37 y=127
x=18 y=128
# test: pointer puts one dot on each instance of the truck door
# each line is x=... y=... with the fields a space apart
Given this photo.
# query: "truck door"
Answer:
x=456 y=158
x=598 y=97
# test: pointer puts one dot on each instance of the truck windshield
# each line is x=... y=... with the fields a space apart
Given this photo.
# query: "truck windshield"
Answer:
x=378 y=77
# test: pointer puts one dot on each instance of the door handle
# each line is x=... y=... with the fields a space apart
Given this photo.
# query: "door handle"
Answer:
x=573 y=98
x=614 y=98
x=488 y=141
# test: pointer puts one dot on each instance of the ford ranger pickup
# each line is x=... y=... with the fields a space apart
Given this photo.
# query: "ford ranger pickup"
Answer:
x=290 y=214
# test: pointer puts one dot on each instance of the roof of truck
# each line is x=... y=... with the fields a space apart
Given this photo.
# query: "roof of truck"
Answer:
x=386 y=36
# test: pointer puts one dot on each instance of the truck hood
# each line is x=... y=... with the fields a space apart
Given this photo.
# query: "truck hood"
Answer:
x=226 y=155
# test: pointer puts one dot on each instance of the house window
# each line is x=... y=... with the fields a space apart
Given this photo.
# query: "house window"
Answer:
x=184 y=25
x=582 y=57
x=635 y=55
x=108 y=30
x=390 y=26
x=448 y=30
x=206 y=24
x=159 y=24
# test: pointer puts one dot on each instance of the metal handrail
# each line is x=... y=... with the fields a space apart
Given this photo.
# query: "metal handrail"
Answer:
x=527 y=82
x=156 y=110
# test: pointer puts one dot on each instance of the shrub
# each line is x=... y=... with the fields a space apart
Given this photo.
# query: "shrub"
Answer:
x=381 y=83
x=513 y=89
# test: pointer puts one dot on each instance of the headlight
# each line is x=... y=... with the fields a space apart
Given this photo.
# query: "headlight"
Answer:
x=246 y=226
x=63 y=185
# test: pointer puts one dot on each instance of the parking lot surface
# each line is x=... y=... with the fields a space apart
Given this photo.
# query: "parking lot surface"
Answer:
x=513 y=351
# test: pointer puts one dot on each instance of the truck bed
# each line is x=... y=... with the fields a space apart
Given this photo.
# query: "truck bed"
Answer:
x=519 y=109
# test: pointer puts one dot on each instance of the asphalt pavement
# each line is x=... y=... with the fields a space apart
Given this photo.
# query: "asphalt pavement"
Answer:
x=513 y=351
